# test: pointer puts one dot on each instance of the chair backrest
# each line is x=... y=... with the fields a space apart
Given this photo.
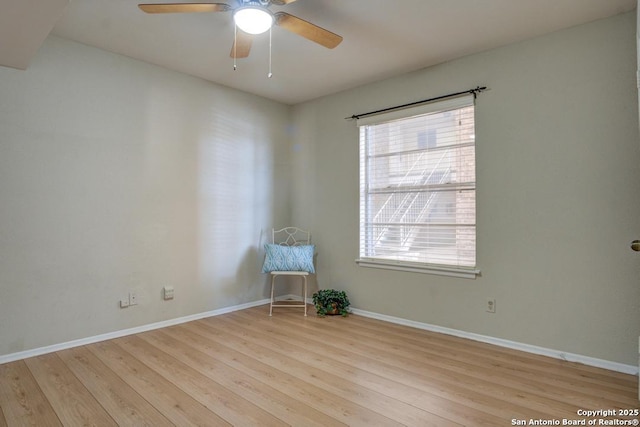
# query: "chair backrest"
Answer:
x=290 y=236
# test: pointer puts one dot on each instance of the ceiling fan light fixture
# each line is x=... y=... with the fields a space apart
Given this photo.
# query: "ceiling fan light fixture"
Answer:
x=252 y=19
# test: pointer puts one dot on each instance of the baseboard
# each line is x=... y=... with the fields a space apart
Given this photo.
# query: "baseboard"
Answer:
x=117 y=334
x=556 y=354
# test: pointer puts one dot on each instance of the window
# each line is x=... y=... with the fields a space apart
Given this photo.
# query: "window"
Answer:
x=418 y=190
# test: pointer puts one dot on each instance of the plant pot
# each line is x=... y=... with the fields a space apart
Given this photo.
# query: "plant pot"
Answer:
x=331 y=302
x=334 y=310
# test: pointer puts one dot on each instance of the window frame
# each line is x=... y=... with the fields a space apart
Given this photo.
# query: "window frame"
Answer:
x=406 y=265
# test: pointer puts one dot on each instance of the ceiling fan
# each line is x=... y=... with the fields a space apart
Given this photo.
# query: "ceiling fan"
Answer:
x=253 y=17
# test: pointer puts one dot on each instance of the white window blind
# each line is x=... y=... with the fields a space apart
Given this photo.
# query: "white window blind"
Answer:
x=417 y=187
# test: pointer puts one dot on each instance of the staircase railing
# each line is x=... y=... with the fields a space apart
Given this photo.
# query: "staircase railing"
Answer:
x=411 y=233
x=395 y=211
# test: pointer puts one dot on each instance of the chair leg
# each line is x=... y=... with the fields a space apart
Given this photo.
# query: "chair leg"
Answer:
x=273 y=279
x=304 y=294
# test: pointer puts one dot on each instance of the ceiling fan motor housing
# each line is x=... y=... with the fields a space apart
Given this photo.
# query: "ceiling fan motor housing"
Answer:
x=259 y=3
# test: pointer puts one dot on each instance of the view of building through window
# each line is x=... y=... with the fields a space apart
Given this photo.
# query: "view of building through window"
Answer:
x=417 y=196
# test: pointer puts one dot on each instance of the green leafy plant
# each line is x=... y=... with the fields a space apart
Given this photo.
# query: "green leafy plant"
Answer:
x=330 y=301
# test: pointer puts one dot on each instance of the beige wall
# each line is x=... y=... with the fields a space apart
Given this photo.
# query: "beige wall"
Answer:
x=558 y=173
x=116 y=175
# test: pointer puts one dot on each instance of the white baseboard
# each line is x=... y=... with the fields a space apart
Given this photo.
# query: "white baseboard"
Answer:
x=556 y=354
x=117 y=334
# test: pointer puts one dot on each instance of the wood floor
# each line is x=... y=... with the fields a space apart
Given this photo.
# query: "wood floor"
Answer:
x=247 y=369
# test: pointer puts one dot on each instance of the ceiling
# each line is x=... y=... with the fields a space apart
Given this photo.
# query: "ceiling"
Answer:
x=381 y=38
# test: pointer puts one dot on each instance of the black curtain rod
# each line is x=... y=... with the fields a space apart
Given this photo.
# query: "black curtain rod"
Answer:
x=474 y=92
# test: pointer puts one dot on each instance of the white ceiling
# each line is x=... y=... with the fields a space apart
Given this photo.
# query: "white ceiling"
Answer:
x=381 y=38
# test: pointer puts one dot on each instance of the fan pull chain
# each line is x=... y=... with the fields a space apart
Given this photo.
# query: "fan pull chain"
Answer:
x=270 y=73
x=235 y=46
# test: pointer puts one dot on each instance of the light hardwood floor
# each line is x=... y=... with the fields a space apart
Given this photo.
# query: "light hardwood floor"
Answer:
x=248 y=369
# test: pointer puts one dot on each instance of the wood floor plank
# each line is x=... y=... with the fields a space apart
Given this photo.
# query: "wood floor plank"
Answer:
x=320 y=399
x=3 y=421
x=289 y=410
x=476 y=366
x=535 y=396
x=569 y=379
x=180 y=408
x=374 y=401
x=246 y=368
x=537 y=363
x=120 y=401
x=70 y=400
x=219 y=399
x=22 y=400
x=469 y=393
x=482 y=353
x=299 y=347
x=482 y=375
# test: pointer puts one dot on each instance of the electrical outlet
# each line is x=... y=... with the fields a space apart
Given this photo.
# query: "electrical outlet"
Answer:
x=124 y=303
x=133 y=298
x=167 y=292
x=491 y=305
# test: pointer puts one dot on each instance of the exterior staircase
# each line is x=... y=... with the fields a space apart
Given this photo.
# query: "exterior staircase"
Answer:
x=396 y=219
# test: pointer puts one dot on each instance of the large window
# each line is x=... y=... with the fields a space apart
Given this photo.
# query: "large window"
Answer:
x=418 y=190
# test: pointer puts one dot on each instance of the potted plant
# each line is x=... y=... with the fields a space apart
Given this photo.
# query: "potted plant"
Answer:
x=330 y=301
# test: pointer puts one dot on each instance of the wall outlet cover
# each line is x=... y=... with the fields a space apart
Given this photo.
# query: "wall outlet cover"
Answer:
x=491 y=305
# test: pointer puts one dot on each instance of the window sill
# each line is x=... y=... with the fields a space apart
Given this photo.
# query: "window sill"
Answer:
x=465 y=273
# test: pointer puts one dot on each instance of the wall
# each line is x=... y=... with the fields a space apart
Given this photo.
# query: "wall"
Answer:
x=116 y=175
x=558 y=176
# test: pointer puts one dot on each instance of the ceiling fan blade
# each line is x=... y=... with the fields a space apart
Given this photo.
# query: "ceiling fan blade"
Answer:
x=281 y=2
x=307 y=30
x=184 y=7
x=242 y=46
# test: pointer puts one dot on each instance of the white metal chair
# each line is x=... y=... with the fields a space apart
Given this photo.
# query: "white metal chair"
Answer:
x=290 y=236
